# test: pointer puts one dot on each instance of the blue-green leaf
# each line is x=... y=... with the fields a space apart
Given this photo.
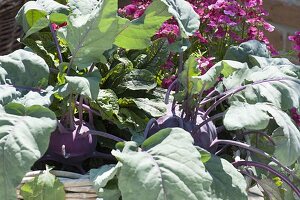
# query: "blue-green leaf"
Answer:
x=24 y=138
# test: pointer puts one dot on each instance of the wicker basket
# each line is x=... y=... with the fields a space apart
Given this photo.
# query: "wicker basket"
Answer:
x=9 y=30
x=77 y=186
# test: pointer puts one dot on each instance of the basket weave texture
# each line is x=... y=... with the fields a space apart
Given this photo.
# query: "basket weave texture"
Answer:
x=9 y=30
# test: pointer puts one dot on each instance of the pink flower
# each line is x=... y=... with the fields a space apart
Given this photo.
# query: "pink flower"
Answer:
x=168 y=30
x=268 y=27
x=205 y=64
x=296 y=40
x=56 y=27
x=130 y=9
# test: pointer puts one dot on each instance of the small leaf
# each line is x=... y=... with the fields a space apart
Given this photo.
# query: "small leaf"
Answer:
x=101 y=176
x=242 y=52
x=37 y=26
x=45 y=186
x=32 y=11
x=84 y=85
x=58 y=18
x=185 y=15
x=270 y=189
x=8 y=94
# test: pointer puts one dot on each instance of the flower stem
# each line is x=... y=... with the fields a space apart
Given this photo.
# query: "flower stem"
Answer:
x=269 y=169
x=56 y=43
x=167 y=97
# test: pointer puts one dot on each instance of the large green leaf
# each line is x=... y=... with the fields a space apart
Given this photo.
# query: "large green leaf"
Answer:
x=257 y=117
x=227 y=182
x=45 y=186
x=90 y=35
x=137 y=79
x=154 y=108
x=24 y=137
x=170 y=167
x=248 y=116
x=82 y=7
x=25 y=69
x=154 y=56
x=242 y=52
x=286 y=136
x=106 y=103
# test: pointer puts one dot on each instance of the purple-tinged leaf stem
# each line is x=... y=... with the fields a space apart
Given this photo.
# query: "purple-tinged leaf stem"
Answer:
x=56 y=43
x=269 y=169
x=255 y=150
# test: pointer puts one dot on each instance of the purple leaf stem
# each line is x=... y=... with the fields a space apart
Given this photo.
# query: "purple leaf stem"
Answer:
x=91 y=117
x=103 y=155
x=92 y=68
x=80 y=113
x=149 y=125
x=225 y=95
x=260 y=133
x=167 y=97
x=255 y=150
x=216 y=116
x=106 y=135
x=269 y=169
x=56 y=43
x=88 y=108
x=71 y=113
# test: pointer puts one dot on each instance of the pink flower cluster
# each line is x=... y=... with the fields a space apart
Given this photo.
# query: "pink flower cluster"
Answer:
x=223 y=23
x=296 y=40
x=135 y=9
x=295 y=116
x=234 y=21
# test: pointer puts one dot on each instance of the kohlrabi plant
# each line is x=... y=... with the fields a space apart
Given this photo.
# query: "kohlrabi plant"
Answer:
x=86 y=83
x=243 y=101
